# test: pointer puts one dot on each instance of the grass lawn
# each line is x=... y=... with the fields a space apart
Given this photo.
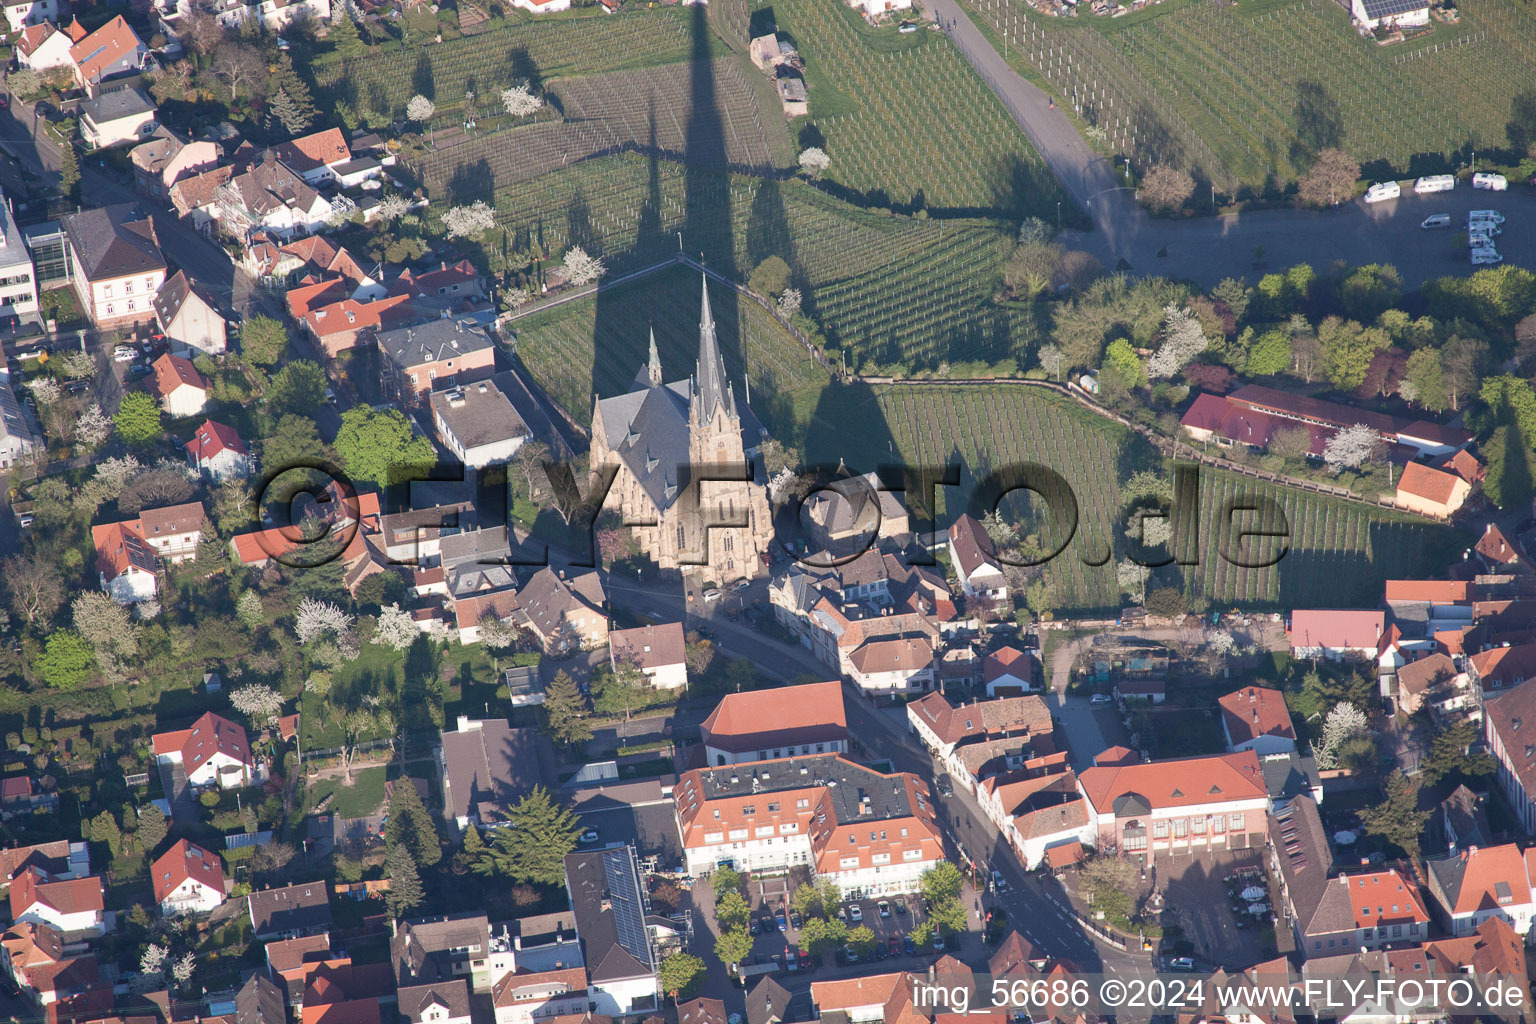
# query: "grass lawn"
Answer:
x=376 y=670
x=358 y=800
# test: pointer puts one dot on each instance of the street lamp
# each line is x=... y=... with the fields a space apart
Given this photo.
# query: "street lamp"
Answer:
x=1058 y=215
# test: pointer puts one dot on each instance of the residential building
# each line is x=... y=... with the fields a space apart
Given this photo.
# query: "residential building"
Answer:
x=438 y=951
x=61 y=861
x=1040 y=809
x=435 y=355
x=657 y=650
x=1010 y=672
x=259 y=1001
x=872 y=833
x=167 y=157
x=835 y=630
x=609 y=907
x=486 y=767
x=346 y=323
x=272 y=197
x=218 y=453
x=1336 y=633
x=784 y=721
x=189 y=316
x=173 y=532
x=109 y=53
x=115 y=263
x=701 y=1011
x=1389 y=14
x=1010 y=729
x=1500 y=668
x=213 y=751
x=654 y=432
x=532 y=997
x=867 y=999
x=18 y=277
x=315 y=155
x=767 y=1001
x=75 y=908
x=447 y=288
x=290 y=911
x=566 y=614
x=126 y=566
x=1432 y=682
x=187 y=879
x=18 y=439
x=44 y=45
x=315 y=259
x=1182 y=803
x=19 y=14
x=477 y=423
x=113 y=118
x=851 y=509
x=1475 y=884
x=1431 y=492
x=414 y=537
x=974 y=559
x=893 y=665
x=196 y=197
x=181 y=389
x=1512 y=744
x=1255 y=718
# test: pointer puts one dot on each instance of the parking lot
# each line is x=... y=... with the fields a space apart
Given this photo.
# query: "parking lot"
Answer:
x=771 y=944
x=1204 y=891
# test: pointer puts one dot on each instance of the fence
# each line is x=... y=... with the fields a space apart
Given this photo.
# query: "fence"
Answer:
x=361 y=748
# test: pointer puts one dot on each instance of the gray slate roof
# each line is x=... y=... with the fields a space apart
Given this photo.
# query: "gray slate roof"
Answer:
x=478 y=414
x=114 y=241
x=113 y=105
x=598 y=882
x=1296 y=831
x=430 y=342
x=488 y=769
x=260 y=1002
x=304 y=908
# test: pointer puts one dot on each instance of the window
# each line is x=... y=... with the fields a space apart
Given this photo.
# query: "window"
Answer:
x=849 y=862
x=127 y=287
x=1218 y=825
x=748 y=808
x=1235 y=821
x=903 y=833
x=881 y=858
x=911 y=854
x=772 y=808
x=714 y=837
x=738 y=833
x=717 y=814
x=764 y=830
x=1180 y=828
x=109 y=309
x=130 y=305
x=802 y=804
x=1159 y=830
x=106 y=290
x=679 y=535
x=821 y=748
x=1397 y=930
x=1197 y=826
x=149 y=284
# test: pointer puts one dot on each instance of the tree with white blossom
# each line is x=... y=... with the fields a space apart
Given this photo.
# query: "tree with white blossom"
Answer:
x=392 y=207
x=469 y=221
x=258 y=702
x=1183 y=340
x=152 y=960
x=581 y=267
x=1343 y=722
x=1132 y=577
x=317 y=619
x=1222 y=642
x=94 y=427
x=519 y=100
x=183 y=968
x=46 y=391
x=1052 y=361
x=420 y=109
x=814 y=161
x=789 y=302
x=1351 y=447
x=395 y=628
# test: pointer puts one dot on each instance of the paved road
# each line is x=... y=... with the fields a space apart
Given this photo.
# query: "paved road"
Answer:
x=1207 y=249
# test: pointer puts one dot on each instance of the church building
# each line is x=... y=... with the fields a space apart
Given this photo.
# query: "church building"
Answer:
x=655 y=433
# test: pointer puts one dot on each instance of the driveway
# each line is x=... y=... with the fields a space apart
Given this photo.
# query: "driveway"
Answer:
x=1207 y=249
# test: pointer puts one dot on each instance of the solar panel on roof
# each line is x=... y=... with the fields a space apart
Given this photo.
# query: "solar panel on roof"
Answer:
x=628 y=905
x=1389 y=8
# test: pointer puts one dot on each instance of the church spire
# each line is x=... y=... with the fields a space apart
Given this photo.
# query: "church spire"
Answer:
x=711 y=390
x=653 y=368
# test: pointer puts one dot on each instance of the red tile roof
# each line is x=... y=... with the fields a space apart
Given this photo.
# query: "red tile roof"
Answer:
x=1255 y=711
x=1337 y=629
x=76 y=896
x=1008 y=661
x=1420 y=481
x=649 y=647
x=1500 y=549
x=1177 y=783
x=171 y=372
x=98 y=51
x=1465 y=465
x=1485 y=878
x=120 y=547
x=212 y=438
x=316 y=150
x=182 y=861
x=1384 y=897
x=306 y=297
x=1505 y=666
x=352 y=315
x=1025 y=715
x=34 y=36
x=1222 y=417
x=362 y=508
x=782 y=716
x=209 y=735
x=1432 y=591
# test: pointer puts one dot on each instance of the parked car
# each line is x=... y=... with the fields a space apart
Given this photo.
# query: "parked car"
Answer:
x=885 y=909
x=124 y=354
x=1101 y=698
x=1382 y=191
x=900 y=903
x=1486 y=258
x=908 y=945
x=791 y=962
x=1435 y=183
x=590 y=836
x=741 y=584
x=894 y=944
x=794 y=920
x=1491 y=181
x=850 y=955
x=1436 y=220
x=938 y=940
x=945 y=789
x=780 y=921
x=855 y=912
x=712 y=594
x=999 y=883
x=1181 y=963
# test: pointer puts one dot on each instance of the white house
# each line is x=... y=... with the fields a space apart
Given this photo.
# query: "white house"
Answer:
x=874 y=8
x=21 y=13
x=1255 y=718
x=1010 y=672
x=1179 y=804
x=18 y=279
x=657 y=650
x=181 y=389
x=74 y=907
x=1375 y=14
x=187 y=879
x=544 y=7
x=18 y=439
x=270 y=196
x=42 y=45
x=478 y=424
x=126 y=566
x=621 y=961
x=173 y=532
x=218 y=453
x=111 y=52
x=189 y=317
x=273 y=15
x=896 y=665
x=781 y=721
x=1038 y=807
x=113 y=118
x=214 y=751
x=1483 y=882
x=948 y=730
x=115 y=263
x=974 y=559
x=1337 y=633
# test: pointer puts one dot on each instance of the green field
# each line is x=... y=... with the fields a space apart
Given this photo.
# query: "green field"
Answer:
x=561 y=346
x=1339 y=551
x=1247 y=91
x=905 y=115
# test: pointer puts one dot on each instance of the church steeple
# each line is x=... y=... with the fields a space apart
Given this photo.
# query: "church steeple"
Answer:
x=711 y=389
x=653 y=368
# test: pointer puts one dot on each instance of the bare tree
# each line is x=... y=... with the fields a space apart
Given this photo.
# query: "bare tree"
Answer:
x=1330 y=180
x=203 y=32
x=1167 y=188
x=529 y=460
x=240 y=67
x=35 y=586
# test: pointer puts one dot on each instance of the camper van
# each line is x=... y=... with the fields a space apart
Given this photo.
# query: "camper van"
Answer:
x=1489 y=180
x=1435 y=183
x=1382 y=191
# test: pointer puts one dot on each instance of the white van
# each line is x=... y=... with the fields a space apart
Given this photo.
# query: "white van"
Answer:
x=1382 y=191
x=1486 y=257
x=1489 y=180
x=1484 y=227
x=1493 y=215
x=1435 y=183
x=1436 y=220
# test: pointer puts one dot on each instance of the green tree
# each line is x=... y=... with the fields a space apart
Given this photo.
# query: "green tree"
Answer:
x=69 y=172
x=565 y=712
x=1449 y=756
x=822 y=935
x=734 y=945
x=1511 y=466
x=152 y=828
x=1122 y=360
x=264 y=340
x=67 y=660
x=725 y=879
x=679 y=975
x=731 y=909
x=343 y=36
x=104 y=830
x=294 y=439
x=405 y=890
x=819 y=899
x=769 y=277
x=1508 y=395
x=379 y=446
x=138 y=419
x=1397 y=819
x=298 y=112
x=862 y=940
x=532 y=846
x=298 y=387
x=1348 y=349
x=941 y=883
x=1269 y=354
x=1426 y=377
x=411 y=825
